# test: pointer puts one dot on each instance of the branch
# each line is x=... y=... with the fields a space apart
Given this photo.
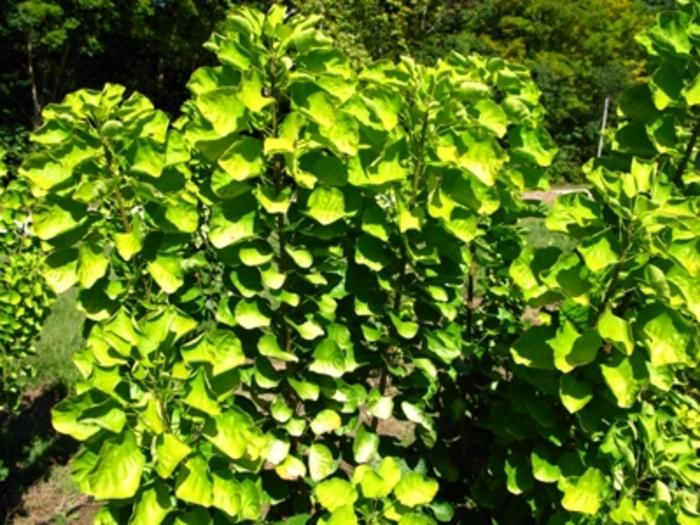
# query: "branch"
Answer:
x=678 y=179
x=36 y=104
x=418 y=171
x=612 y=284
x=470 y=289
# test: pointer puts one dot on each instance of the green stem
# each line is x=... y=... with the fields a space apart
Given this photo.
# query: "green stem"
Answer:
x=163 y=406
x=121 y=204
x=278 y=180
x=611 y=288
x=417 y=176
x=418 y=169
x=398 y=296
x=114 y=172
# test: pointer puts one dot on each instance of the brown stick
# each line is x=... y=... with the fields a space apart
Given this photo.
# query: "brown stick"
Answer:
x=36 y=104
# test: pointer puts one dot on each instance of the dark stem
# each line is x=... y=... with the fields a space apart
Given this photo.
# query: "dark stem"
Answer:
x=678 y=179
x=160 y=78
x=36 y=104
x=609 y=291
x=160 y=398
x=470 y=290
x=287 y=343
x=277 y=177
x=57 y=83
x=624 y=303
x=383 y=378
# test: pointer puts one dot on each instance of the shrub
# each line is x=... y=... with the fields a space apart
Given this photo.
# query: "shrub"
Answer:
x=24 y=298
x=605 y=426
x=309 y=299
x=275 y=281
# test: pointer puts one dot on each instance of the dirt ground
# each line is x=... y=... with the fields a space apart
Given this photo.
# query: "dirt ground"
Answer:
x=547 y=196
x=37 y=488
x=54 y=501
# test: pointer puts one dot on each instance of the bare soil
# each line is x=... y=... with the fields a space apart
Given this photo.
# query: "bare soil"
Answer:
x=37 y=488
x=54 y=500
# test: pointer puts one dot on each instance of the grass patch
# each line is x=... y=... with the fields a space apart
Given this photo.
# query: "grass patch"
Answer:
x=61 y=336
x=60 y=477
x=538 y=236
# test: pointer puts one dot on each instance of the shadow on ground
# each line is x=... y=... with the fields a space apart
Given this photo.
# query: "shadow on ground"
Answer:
x=29 y=449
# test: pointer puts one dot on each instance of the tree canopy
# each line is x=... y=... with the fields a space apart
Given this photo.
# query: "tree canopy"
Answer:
x=580 y=52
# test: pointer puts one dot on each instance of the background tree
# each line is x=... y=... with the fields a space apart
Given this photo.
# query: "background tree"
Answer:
x=580 y=52
x=51 y=47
